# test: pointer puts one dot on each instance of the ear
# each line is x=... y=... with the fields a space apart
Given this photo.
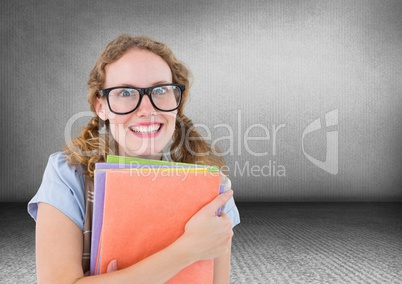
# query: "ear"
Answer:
x=101 y=107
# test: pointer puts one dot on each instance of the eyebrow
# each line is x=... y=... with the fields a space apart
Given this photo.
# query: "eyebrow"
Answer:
x=153 y=84
x=161 y=82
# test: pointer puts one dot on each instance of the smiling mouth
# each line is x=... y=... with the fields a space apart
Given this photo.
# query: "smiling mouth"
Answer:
x=146 y=129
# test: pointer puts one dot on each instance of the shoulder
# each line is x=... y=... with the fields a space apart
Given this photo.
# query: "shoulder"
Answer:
x=62 y=187
x=225 y=181
x=59 y=166
x=58 y=160
x=59 y=172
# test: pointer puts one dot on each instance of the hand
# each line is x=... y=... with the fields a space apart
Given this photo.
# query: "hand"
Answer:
x=206 y=235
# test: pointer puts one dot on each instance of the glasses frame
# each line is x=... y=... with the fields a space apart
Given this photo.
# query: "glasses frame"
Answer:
x=142 y=92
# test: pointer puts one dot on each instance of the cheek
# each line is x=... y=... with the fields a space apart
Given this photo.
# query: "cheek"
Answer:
x=116 y=120
x=171 y=120
x=117 y=125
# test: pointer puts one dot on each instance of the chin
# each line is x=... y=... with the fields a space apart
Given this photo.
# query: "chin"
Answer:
x=145 y=151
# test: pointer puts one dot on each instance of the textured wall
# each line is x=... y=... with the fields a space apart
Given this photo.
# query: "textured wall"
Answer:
x=303 y=96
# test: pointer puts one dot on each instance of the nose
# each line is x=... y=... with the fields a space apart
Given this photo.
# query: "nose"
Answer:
x=145 y=108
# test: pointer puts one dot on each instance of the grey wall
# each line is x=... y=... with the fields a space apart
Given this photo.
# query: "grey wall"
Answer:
x=256 y=65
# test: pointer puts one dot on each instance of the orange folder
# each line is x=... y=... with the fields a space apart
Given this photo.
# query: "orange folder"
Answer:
x=145 y=210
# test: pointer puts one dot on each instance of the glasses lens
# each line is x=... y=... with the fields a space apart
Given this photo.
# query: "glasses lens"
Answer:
x=123 y=99
x=166 y=97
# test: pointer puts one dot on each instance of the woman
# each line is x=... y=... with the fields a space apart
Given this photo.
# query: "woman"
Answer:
x=126 y=90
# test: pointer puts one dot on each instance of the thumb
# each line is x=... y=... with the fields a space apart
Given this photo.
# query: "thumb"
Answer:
x=112 y=266
x=218 y=202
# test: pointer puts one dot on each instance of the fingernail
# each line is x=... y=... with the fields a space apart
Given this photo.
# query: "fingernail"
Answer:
x=229 y=192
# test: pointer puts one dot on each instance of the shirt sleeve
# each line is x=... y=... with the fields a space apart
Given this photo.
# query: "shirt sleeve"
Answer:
x=230 y=207
x=62 y=187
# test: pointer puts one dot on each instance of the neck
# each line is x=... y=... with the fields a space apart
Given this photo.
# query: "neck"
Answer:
x=155 y=156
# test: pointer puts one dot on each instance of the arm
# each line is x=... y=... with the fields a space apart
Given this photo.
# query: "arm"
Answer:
x=59 y=248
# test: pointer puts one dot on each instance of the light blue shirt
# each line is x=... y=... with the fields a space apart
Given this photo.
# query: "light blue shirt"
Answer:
x=63 y=187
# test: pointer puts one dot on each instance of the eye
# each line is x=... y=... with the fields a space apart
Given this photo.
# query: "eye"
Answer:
x=126 y=93
x=160 y=91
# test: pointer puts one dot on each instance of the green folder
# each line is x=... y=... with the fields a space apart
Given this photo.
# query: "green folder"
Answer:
x=138 y=161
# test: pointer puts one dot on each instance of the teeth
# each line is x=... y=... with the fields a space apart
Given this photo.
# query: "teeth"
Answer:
x=146 y=129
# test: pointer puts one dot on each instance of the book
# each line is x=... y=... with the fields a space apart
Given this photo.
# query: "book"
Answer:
x=138 y=161
x=99 y=190
x=155 y=201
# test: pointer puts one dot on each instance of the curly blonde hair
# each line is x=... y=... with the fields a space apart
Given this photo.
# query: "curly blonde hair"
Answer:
x=94 y=144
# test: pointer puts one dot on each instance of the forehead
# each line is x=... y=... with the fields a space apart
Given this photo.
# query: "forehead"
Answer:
x=139 y=68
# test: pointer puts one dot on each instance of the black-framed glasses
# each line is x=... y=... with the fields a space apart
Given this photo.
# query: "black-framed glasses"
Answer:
x=124 y=100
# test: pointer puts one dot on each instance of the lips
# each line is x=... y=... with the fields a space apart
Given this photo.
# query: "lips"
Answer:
x=146 y=129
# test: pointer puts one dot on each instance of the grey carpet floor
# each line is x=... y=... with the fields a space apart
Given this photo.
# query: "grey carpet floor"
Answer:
x=275 y=243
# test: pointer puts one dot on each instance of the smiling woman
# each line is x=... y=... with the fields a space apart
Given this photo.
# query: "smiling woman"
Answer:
x=142 y=69
x=137 y=92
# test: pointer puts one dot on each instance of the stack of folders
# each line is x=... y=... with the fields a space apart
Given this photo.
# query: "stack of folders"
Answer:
x=141 y=206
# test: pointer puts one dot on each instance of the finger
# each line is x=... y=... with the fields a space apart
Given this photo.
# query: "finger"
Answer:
x=223 y=214
x=112 y=266
x=219 y=201
x=226 y=217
